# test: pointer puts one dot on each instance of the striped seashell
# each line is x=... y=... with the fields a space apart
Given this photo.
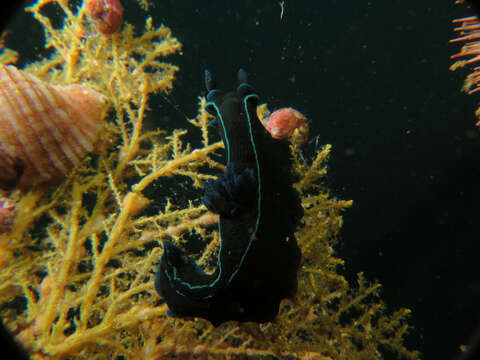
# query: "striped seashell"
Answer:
x=7 y=214
x=45 y=130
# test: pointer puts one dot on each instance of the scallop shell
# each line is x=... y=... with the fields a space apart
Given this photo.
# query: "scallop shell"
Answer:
x=45 y=130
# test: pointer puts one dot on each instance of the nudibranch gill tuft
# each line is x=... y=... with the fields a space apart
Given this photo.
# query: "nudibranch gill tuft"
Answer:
x=259 y=211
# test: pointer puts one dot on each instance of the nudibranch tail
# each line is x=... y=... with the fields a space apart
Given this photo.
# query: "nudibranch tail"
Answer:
x=187 y=279
x=258 y=257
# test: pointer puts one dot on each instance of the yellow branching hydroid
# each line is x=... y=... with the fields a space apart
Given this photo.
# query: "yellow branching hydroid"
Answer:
x=78 y=264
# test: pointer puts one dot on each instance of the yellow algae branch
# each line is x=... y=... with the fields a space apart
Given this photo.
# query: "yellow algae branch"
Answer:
x=169 y=168
x=7 y=56
x=77 y=264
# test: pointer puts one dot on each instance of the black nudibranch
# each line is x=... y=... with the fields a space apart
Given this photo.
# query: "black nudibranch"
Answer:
x=259 y=212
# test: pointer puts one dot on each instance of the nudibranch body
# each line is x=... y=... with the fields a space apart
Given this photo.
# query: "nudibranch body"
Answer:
x=259 y=212
x=107 y=14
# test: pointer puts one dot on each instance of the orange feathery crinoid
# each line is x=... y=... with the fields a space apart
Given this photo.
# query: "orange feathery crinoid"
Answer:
x=468 y=29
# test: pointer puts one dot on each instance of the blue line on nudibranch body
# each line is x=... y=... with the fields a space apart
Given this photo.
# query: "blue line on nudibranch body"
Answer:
x=259 y=200
x=259 y=183
x=219 y=114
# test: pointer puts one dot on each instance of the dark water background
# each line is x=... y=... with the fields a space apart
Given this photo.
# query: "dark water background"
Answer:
x=373 y=78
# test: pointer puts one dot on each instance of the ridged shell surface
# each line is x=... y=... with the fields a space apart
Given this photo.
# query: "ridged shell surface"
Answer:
x=45 y=130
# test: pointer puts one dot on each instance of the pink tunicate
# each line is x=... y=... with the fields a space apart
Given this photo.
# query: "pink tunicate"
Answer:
x=107 y=14
x=288 y=123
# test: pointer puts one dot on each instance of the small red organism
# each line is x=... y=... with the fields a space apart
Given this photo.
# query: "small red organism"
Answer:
x=107 y=14
x=288 y=123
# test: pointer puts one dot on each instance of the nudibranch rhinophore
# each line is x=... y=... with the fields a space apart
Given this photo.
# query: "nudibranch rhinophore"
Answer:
x=45 y=130
x=258 y=258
